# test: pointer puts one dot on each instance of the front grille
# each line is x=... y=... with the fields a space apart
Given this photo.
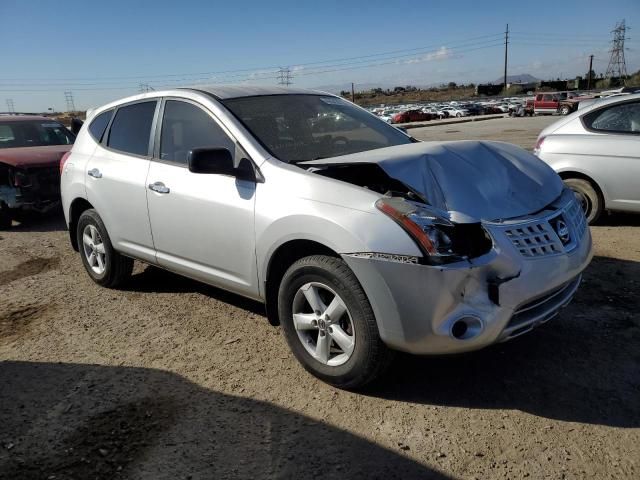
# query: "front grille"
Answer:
x=577 y=218
x=543 y=237
x=535 y=240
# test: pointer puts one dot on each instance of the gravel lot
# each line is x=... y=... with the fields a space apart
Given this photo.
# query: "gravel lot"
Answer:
x=169 y=378
x=522 y=131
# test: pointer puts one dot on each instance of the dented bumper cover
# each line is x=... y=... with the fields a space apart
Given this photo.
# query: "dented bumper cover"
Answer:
x=532 y=271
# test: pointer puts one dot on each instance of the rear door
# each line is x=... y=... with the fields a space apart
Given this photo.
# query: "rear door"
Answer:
x=202 y=224
x=116 y=175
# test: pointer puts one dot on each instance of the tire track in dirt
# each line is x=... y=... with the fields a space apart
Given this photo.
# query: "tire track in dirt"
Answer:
x=17 y=321
x=28 y=268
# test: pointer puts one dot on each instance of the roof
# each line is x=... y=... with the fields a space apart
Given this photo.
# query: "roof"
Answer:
x=24 y=118
x=224 y=92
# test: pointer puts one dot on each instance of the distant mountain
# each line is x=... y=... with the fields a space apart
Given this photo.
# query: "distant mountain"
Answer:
x=523 y=78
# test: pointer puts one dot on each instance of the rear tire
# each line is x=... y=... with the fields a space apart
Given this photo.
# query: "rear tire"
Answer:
x=330 y=280
x=565 y=110
x=104 y=265
x=588 y=196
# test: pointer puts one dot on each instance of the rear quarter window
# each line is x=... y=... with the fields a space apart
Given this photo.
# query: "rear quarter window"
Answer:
x=619 y=118
x=99 y=125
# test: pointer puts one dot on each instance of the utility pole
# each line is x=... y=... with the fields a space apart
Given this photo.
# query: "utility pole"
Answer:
x=10 y=107
x=506 y=49
x=68 y=97
x=590 y=70
x=353 y=94
x=284 y=76
x=617 y=65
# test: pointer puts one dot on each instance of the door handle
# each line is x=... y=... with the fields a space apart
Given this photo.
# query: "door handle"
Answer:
x=95 y=173
x=159 y=187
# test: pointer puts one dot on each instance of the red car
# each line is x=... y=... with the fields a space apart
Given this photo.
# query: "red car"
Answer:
x=411 y=116
x=30 y=151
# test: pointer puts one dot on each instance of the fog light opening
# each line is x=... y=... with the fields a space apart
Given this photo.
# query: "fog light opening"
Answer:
x=466 y=327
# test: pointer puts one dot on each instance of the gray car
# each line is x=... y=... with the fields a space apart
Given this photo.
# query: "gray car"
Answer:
x=358 y=239
x=596 y=150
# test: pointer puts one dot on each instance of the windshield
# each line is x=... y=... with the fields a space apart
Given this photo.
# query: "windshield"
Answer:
x=33 y=134
x=296 y=128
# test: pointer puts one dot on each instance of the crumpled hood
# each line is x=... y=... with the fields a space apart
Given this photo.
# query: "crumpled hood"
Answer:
x=477 y=179
x=25 y=157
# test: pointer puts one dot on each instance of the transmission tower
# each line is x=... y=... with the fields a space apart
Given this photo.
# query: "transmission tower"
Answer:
x=284 y=76
x=145 y=87
x=10 y=107
x=68 y=97
x=617 y=66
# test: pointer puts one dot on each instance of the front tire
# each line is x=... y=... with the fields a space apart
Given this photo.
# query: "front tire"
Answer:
x=329 y=324
x=104 y=265
x=589 y=198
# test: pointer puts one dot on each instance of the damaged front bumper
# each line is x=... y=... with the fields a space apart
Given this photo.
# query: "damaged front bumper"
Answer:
x=35 y=189
x=532 y=271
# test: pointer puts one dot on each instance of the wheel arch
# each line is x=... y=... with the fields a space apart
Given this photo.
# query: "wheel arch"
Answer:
x=77 y=207
x=566 y=174
x=279 y=261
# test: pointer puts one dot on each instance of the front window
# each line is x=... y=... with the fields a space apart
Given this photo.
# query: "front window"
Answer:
x=295 y=128
x=34 y=134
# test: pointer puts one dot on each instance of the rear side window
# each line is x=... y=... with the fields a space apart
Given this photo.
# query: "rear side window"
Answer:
x=99 y=125
x=131 y=128
x=185 y=127
x=621 y=118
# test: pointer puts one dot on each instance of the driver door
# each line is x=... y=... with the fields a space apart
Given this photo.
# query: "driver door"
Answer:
x=202 y=224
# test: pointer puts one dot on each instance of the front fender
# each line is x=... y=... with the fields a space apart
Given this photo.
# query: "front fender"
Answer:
x=341 y=229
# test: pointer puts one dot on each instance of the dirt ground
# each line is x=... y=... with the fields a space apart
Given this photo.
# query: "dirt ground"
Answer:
x=172 y=379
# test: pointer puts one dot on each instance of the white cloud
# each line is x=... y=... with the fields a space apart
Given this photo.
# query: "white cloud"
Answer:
x=443 y=53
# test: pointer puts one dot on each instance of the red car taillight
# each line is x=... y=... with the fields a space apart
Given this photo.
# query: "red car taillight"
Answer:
x=63 y=160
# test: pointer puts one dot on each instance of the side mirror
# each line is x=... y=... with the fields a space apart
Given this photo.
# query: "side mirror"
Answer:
x=219 y=161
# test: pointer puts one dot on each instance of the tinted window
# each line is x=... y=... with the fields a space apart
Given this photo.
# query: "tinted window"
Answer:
x=131 y=128
x=547 y=98
x=34 y=134
x=623 y=118
x=185 y=127
x=99 y=125
x=307 y=127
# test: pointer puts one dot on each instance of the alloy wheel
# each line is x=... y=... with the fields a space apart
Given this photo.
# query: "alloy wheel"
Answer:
x=94 y=250
x=323 y=324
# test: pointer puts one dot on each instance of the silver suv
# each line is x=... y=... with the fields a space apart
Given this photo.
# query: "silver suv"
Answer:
x=358 y=239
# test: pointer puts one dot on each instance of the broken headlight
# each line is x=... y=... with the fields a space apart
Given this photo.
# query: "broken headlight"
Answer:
x=440 y=240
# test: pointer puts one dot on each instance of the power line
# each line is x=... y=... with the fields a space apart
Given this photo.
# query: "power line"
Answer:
x=271 y=69
x=617 y=66
x=443 y=53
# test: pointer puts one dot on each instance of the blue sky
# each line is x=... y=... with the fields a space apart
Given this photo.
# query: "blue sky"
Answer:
x=103 y=50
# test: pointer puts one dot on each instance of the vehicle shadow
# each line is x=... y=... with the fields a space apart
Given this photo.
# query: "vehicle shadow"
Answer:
x=582 y=366
x=52 y=221
x=156 y=280
x=68 y=421
x=619 y=219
